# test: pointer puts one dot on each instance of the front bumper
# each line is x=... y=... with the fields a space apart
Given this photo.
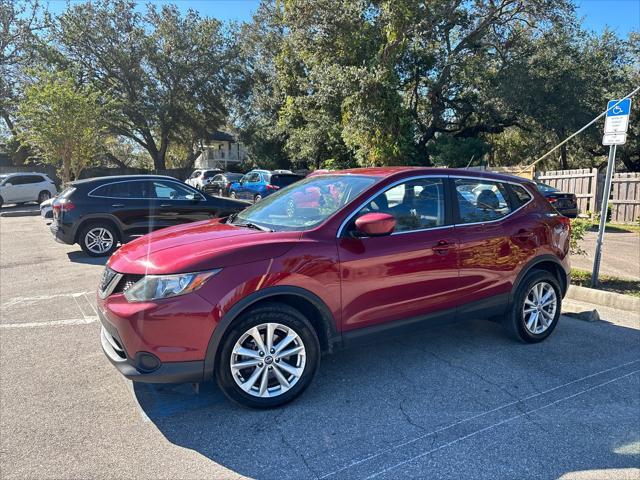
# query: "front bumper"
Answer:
x=133 y=369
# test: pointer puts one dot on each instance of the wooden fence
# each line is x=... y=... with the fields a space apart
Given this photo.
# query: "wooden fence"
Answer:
x=625 y=197
x=582 y=181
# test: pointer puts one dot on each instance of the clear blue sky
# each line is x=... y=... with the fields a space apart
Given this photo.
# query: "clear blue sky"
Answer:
x=621 y=16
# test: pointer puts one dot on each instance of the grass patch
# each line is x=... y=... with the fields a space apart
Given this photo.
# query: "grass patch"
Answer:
x=616 y=228
x=608 y=283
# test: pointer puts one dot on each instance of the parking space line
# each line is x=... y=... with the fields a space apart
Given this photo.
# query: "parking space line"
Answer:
x=53 y=323
x=20 y=300
x=497 y=424
x=473 y=417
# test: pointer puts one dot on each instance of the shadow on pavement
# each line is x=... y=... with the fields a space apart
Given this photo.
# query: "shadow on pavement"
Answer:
x=80 y=257
x=456 y=402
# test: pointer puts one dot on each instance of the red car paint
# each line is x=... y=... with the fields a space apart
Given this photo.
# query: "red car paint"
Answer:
x=363 y=282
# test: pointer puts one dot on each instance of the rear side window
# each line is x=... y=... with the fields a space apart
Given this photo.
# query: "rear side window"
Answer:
x=481 y=200
x=32 y=179
x=520 y=195
x=283 y=180
x=130 y=190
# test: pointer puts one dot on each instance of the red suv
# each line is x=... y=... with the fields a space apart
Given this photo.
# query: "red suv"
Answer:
x=252 y=300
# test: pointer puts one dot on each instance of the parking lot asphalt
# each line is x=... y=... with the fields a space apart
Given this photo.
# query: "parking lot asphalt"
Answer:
x=456 y=402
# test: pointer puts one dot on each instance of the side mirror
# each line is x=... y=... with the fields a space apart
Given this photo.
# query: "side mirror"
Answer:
x=375 y=224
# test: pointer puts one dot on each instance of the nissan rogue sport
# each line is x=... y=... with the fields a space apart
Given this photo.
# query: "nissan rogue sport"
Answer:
x=254 y=299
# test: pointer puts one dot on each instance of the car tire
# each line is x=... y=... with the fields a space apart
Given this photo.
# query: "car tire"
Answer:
x=257 y=198
x=536 y=308
x=232 y=194
x=98 y=239
x=43 y=196
x=281 y=385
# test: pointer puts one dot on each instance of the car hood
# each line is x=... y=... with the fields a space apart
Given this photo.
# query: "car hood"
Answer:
x=199 y=246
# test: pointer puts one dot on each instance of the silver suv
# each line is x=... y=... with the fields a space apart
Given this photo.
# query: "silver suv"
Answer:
x=26 y=187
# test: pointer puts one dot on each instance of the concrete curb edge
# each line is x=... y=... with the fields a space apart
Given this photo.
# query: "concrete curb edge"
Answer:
x=602 y=298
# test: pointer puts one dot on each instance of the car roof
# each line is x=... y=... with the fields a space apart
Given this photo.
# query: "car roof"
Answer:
x=120 y=178
x=386 y=172
x=23 y=173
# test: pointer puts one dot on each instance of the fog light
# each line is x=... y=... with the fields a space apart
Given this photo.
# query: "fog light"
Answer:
x=146 y=362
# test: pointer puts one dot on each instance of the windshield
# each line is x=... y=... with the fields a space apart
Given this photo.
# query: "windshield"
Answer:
x=306 y=203
x=544 y=188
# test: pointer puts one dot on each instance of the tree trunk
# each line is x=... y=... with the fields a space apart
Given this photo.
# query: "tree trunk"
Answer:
x=563 y=157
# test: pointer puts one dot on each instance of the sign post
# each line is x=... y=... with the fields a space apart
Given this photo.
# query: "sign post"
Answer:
x=615 y=133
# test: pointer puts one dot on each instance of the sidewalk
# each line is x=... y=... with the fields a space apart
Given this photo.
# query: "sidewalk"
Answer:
x=620 y=254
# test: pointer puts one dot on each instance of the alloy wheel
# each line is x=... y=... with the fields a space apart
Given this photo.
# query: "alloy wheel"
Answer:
x=268 y=360
x=99 y=240
x=539 y=309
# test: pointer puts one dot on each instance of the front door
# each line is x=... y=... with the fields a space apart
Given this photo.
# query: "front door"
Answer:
x=174 y=204
x=409 y=274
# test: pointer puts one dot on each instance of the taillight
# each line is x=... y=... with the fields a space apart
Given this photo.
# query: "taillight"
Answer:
x=565 y=221
x=63 y=206
x=272 y=187
x=552 y=199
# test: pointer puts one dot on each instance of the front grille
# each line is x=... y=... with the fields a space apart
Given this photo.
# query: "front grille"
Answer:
x=126 y=282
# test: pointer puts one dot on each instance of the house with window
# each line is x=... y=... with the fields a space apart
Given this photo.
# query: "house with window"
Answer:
x=219 y=150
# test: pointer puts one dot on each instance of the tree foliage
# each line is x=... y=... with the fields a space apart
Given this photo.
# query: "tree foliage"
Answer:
x=63 y=122
x=165 y=70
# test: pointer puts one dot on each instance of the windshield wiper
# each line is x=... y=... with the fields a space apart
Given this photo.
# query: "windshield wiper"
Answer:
x=254 y=226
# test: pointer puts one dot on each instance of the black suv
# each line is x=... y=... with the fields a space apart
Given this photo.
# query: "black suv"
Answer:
x=97 y=213
x=219 y=185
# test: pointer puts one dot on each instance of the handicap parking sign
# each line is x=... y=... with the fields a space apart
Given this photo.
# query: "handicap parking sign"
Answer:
x=617 y=120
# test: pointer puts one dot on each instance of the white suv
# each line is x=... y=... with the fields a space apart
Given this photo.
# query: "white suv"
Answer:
x=26 y=187
x=199 y=177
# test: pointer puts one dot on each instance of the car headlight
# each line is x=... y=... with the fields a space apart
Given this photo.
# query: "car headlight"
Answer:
x=155 y=287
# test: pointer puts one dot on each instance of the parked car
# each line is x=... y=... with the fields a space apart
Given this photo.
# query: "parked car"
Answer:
x=46 y=208
x=199 y=177
x=100 y=212
x=26 y=187
x=257 y=184
x=220 y=183
x=252 y=300
x=564 y=203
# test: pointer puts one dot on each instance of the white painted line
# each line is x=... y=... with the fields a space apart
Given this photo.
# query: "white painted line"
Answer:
x=473 y=417
x=502 y=422
x=73 y=321
x=39 y=298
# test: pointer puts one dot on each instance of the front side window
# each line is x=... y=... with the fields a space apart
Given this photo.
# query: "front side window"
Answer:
x=481 y=200
x=416 y=204
x=170 y=191
x=306 y=203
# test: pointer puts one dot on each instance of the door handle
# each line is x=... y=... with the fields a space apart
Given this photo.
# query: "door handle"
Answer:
x=442 y=247
x=118 y=205
x=523 y=235
x=165 y=205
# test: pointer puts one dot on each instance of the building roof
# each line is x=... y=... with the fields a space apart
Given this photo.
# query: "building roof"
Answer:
x=218 y=136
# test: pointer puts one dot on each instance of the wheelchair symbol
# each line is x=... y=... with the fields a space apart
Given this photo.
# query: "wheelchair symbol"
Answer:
x=617 y=110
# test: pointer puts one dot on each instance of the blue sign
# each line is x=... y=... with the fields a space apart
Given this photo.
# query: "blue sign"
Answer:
x=620 y=110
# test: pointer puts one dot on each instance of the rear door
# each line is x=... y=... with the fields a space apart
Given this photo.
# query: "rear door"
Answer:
x=130 y=202
x=486 y=257
x=411 y=273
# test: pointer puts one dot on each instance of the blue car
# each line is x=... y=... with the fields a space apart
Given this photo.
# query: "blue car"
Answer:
x=257 y=184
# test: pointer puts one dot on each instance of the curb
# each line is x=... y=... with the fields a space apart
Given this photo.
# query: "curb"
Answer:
x=602 y=298
x=20 y=213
